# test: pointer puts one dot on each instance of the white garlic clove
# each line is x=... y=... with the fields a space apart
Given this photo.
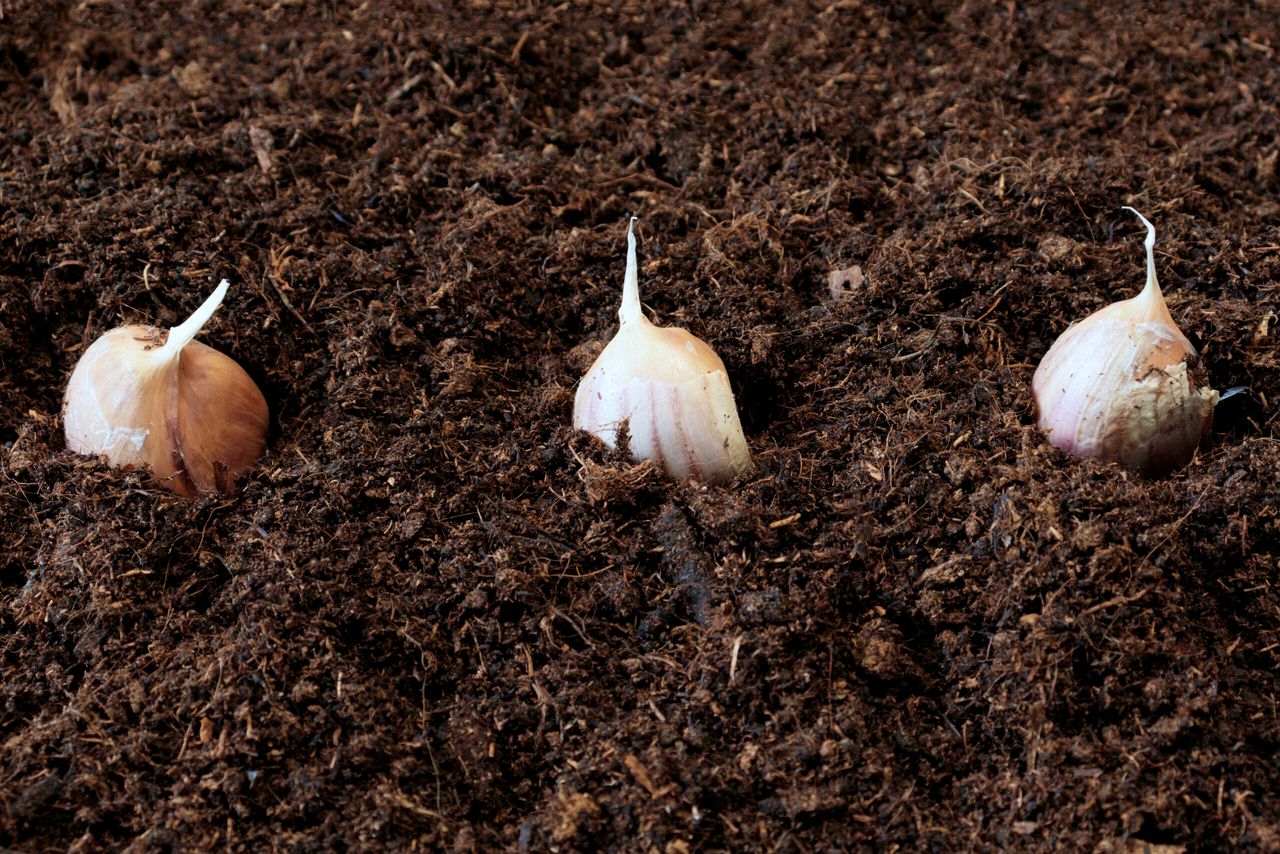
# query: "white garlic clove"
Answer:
x=141 y=397
x=669 y=389
x=1116 y=387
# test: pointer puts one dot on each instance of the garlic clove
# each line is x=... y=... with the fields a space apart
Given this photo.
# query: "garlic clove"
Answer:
x=1116 y=386
x=140 y=396
x=669 y=389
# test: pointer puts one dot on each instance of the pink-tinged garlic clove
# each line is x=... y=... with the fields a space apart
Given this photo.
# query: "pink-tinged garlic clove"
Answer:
x=669 y=389
x=1116 y=387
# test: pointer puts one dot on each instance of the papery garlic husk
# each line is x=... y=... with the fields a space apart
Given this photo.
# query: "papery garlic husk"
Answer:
x=1116 y=386
x=144 y=397
x=669 y=389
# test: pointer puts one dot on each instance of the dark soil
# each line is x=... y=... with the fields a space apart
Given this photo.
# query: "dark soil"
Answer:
x=436 y=617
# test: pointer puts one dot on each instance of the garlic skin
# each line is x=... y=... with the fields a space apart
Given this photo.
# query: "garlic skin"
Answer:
x=1115 y=386
x=140 y=396
x=671 y=391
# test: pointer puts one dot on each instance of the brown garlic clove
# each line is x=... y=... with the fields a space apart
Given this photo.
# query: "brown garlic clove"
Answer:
x=142 y=397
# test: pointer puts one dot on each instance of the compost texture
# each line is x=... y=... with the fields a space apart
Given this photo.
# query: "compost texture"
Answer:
x=437 y=617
